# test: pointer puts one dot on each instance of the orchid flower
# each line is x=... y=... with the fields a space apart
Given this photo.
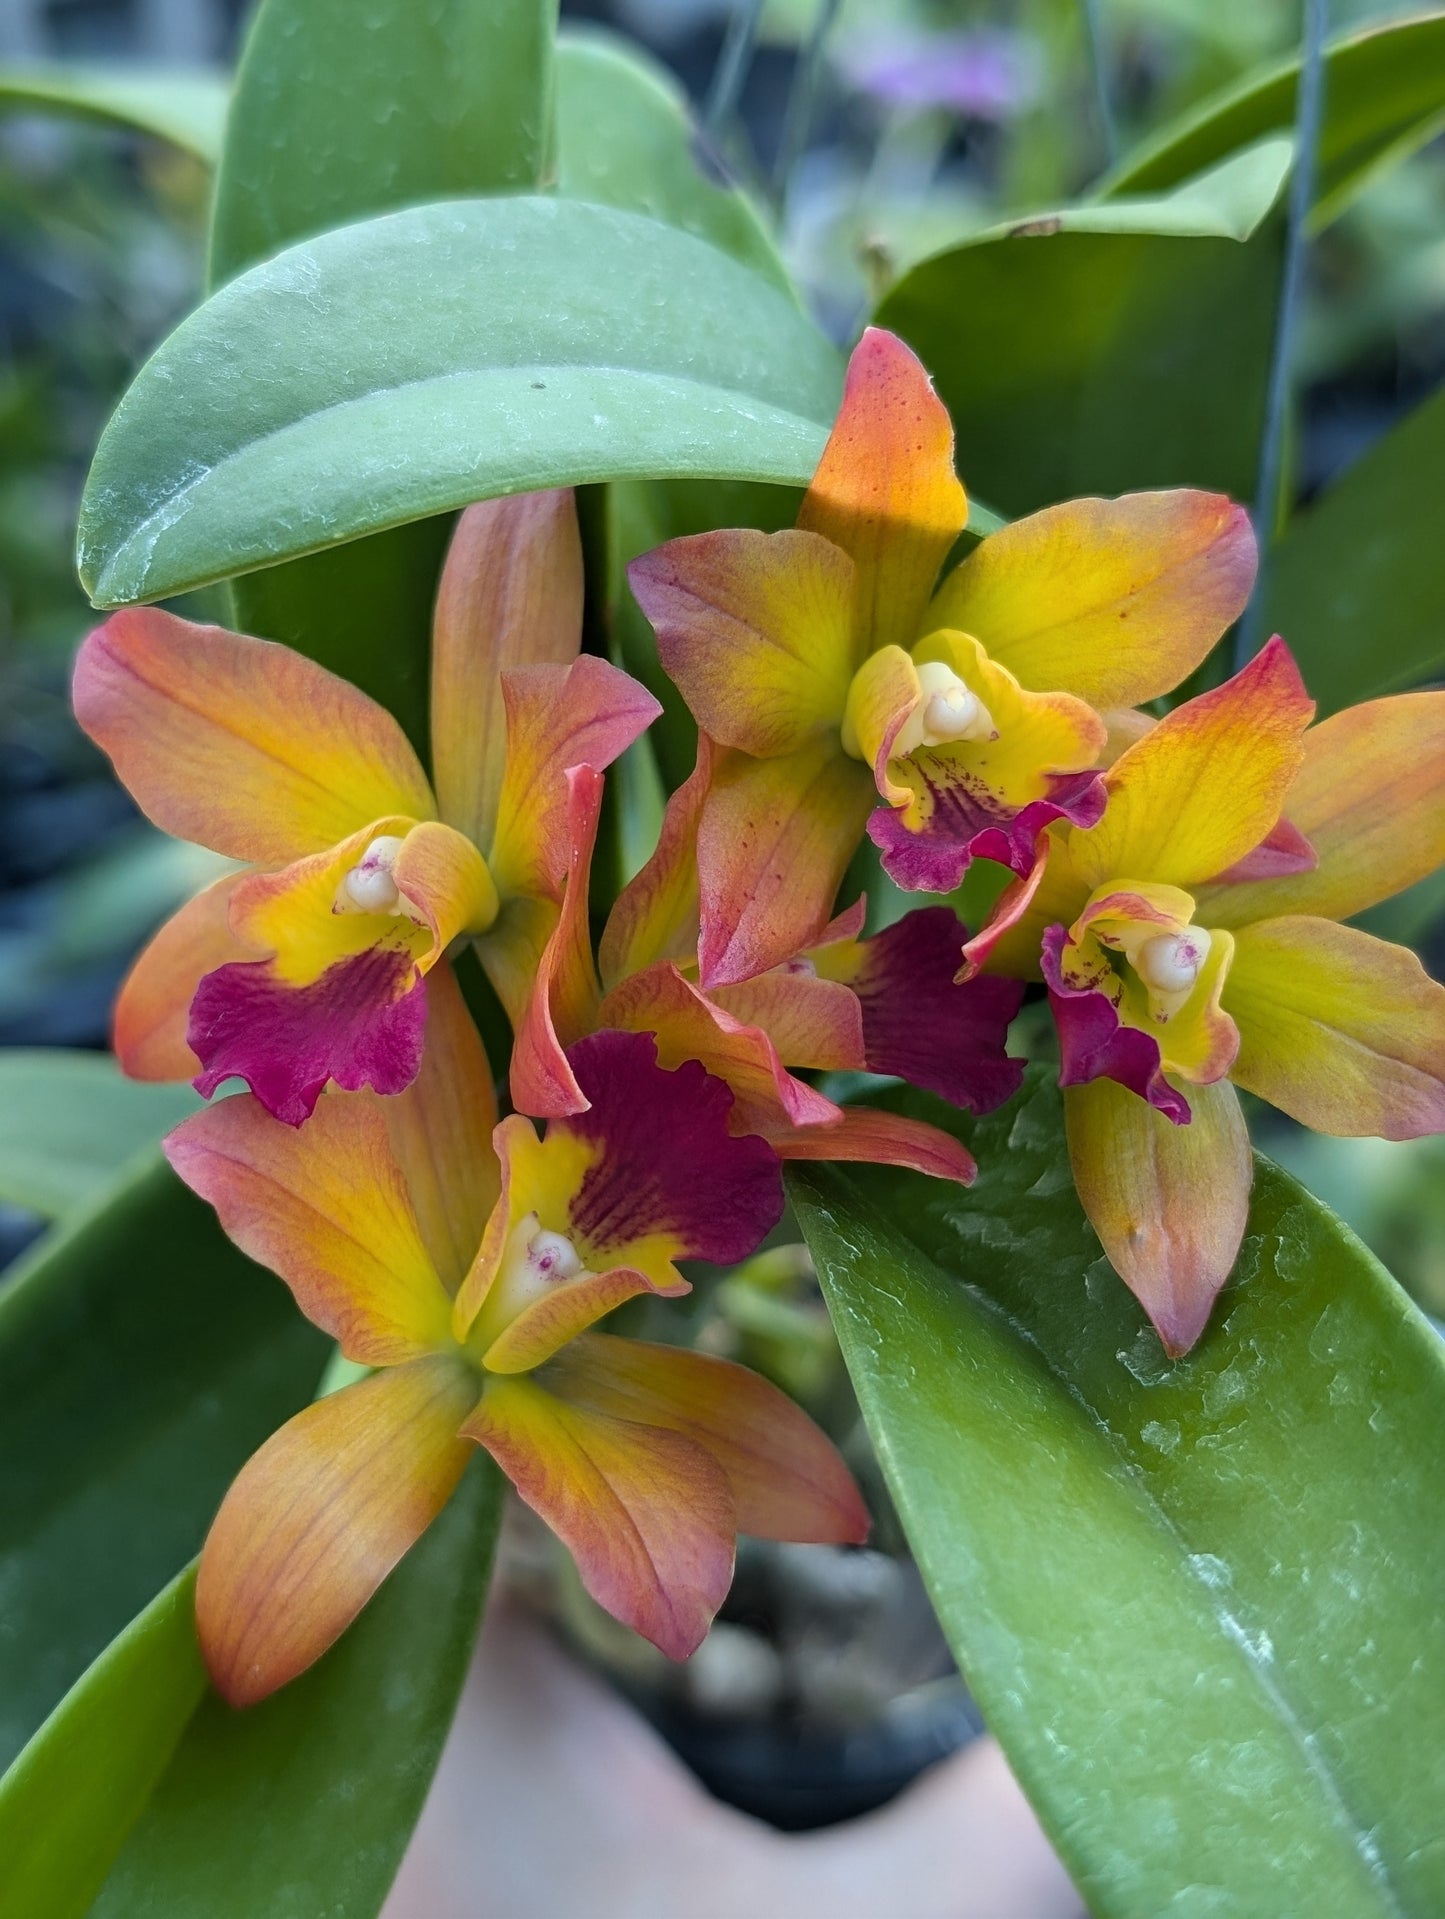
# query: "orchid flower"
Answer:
x=1192 y=939
x=467 y=1262
x=834 y=676
x=890 y=1005
x=309 y=965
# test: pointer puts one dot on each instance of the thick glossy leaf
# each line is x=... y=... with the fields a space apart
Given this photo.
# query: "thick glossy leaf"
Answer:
x=1356 y=584
x=626 y=137
x=187 y=109
x=1384 y=96
x=436 y=356
x=304 y=1805
x=142 y=1359
x=1199 y=1602
x=70 y=1124
x=71 y=1797
x=1103 y=349
x=331 y=123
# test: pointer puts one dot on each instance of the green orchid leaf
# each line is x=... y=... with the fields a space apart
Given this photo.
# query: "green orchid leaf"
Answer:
x=445 y=354
x=186 y=109
x=1361 y=563
x=331 y=124
x=1102 y=349
x=626 y=137
x=74 y=1793
x=1199 y=1602
x=71 y=1124
x=304 y=1804
x=1384 y=97
x=142 y=1360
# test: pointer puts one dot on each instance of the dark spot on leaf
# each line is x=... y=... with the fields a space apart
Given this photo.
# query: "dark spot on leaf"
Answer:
x=1029 y=228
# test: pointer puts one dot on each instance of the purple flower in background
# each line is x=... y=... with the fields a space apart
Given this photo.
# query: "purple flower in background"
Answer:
x=987 y=73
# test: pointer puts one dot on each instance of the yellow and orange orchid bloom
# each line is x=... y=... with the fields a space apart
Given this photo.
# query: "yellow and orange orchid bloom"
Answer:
x=836 y=672
x=890 y=1005
x=467 y=1262
x=1192 y=938
x=309 y=965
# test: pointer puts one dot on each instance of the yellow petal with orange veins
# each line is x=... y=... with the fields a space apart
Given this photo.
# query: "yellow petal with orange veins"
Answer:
x=240 y=744
x=441 y=1129
x=1170 y=1203
x=295 y=913
x=154 y=1003
x=1206 y=785
x=510 y=595
x=1342 y=1031
x=325 y=1207
x=786 y=1477
x=321 y=1515
x=756 y=631
x=646 y=1513
x=774 y=842
x=1370 y=799
x=885 y=490
x=1116 y=601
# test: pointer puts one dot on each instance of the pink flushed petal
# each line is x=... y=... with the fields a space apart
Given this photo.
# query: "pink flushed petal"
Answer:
x=357 y=1024
x=1284 y=850
x=964 y=827
x=1094 y=1043
x=919 y=1023
x=668 y=1164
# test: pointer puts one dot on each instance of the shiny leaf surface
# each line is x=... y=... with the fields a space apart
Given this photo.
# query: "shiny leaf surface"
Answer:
x=70 y=1124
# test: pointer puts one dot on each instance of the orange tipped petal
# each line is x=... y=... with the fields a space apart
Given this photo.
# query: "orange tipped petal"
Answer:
x=324 y=1206
x=1206 y=785
x=786 y=1477
x=510 y=595
x=318 y=1518
x=880 y=1139
x=756 y=629
x=1370 y=799
x=812 y=1022
x=646 y=1513
x=885 y=489
x=540 y=1330
x=1343 y=1031
x=773 y=844
x=690 y=1024
x=1115 y=601
x=1170 y=1203
x=440 y=1131
x=240 y=744
x=562 y=1003
x=154 y=1004
x=558 y=718
x=656 y=914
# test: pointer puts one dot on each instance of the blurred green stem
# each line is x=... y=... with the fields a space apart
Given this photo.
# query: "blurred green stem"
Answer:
x=1099 y=71
x=732 y=65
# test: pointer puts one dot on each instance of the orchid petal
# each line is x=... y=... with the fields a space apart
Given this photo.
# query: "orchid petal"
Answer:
x=1370 y=798
x=154 y=1003
x=885 y=490
x=688 y=1024
x=1115 y=601
x=755 y=629
x=325 y=1207
x=880 y=1139
x=562 y=997
x=510 y=595
x=558 y=718
x=549 y=1324
x=655 y=916
x=773 y=844
x=786 y=1477
x=918 y=1021
x=1344 y=1032
x=240 y=744
x=884 y=693
x=1169 y=1203
x=320 y=1516
x=645 y=1513
x=811 y=1021
x=1206 y=785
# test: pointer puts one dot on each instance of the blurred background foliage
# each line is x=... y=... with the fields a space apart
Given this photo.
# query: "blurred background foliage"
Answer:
x=877 y=131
